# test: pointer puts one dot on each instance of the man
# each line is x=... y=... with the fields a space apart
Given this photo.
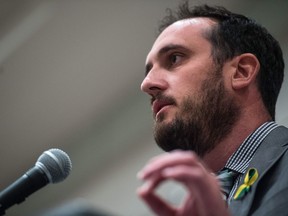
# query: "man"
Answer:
x=214 y=78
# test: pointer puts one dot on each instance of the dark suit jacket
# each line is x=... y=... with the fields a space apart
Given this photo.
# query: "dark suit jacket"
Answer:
x=268 y=196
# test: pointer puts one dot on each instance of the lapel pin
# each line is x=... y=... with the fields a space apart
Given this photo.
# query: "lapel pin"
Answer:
x=250 y=178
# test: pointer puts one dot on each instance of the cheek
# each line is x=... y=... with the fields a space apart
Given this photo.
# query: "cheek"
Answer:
x=188 y=81
x=191 y=88
x=227 y=77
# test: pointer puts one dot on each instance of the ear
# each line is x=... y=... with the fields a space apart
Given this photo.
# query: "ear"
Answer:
x=246 y=70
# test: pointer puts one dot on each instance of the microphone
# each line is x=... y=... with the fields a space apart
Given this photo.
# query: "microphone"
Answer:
x=52 y=166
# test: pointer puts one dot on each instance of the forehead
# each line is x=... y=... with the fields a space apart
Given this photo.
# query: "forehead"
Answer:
x=186 y=33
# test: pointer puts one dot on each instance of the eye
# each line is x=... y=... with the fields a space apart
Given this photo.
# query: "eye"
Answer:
x=175 y=58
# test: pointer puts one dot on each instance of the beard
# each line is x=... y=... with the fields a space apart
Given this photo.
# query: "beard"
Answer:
x=202 y=121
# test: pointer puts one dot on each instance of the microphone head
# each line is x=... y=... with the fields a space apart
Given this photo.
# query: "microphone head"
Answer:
x=56 y=164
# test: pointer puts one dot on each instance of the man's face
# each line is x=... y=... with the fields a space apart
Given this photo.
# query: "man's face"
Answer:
x=191 y=108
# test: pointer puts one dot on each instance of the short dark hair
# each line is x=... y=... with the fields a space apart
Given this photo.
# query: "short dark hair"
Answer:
x=236 y=34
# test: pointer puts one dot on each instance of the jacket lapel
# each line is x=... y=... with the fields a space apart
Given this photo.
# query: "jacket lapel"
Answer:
x=268 y=153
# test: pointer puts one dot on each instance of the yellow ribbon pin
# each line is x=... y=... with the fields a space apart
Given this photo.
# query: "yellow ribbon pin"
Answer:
x=249 y=180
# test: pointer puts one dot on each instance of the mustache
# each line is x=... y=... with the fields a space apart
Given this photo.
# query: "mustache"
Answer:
x=163 y=98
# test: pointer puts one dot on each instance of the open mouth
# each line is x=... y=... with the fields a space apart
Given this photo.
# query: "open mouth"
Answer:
x=159 y=105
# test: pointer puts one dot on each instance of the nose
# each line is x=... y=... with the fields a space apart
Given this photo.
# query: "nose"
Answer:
x=154 y=83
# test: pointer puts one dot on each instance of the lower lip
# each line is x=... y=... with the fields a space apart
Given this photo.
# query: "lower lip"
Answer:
x=163 y=109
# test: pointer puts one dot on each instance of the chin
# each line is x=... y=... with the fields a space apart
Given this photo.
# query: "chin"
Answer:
x=163 y=119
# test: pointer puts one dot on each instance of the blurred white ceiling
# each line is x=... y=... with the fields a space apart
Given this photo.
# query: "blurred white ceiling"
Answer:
x=70 y=73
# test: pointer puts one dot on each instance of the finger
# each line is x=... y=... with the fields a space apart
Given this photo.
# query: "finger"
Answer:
x=196 y=179
x=190 y=207
x=202 y=186
x=151 y=183
x=187 y=175
x=167 y=160
x=157 y=205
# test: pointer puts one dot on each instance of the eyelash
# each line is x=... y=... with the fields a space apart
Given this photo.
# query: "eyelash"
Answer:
x=173 y=58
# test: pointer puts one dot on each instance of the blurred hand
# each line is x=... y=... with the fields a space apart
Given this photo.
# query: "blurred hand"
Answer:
x=203 y=192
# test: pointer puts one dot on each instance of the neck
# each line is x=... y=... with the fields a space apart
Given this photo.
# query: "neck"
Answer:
x=218 y=157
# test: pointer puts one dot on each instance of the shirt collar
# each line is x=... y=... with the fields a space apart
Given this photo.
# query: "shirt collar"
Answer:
x=240 y=159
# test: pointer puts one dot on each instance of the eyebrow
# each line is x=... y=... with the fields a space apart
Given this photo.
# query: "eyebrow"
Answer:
x=164 y=50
